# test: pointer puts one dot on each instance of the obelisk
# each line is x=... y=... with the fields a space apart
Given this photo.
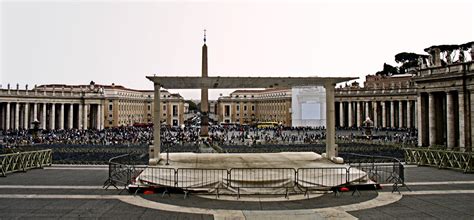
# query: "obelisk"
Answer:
x=204 y=93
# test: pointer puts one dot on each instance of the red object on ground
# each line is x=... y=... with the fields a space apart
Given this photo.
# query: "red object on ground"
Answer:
x=148 y=192
x=344 y=189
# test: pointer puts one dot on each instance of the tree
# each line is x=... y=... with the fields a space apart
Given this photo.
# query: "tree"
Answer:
x=466 y=46
x=388 y=70
x=408 y=60
x=192 y=105
x=405 y=57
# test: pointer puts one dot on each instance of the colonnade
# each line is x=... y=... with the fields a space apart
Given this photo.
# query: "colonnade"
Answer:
x=51 y=116
x=384 y=114
x=443 y=120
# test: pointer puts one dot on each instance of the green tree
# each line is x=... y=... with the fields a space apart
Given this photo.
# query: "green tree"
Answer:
x=192 y=105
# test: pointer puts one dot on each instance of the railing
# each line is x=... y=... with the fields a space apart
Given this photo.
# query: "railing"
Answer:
x=264 y=178
x=201 y=179
x=380 y=169
x=23 y=161
x=326 y=178
x=121 y=173
x=440 y=158
x=369 y=172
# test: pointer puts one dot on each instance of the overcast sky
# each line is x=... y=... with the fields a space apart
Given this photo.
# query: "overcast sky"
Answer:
x=74 y=42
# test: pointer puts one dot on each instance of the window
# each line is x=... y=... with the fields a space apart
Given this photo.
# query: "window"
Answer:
x=110 y=107
x=149 y=108
x=226 y=110
x=237 y=107
x=245 y=108
x=253 y=107
x=175 y=110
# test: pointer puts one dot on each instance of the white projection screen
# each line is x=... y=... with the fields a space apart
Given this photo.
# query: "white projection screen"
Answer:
x=310 y=111
x=308 y=106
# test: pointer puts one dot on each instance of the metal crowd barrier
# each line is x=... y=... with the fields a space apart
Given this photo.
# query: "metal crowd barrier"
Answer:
x=305 y=178
x=440 y=158
x=23 y=161
x=381 y=170
x=201 y=179
x=121 y=173
x=262 y=178
x=212 y=180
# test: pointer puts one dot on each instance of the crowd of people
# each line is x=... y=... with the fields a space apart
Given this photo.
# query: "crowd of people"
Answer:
x=218 y=135
x=111 y=136
x=97 y=146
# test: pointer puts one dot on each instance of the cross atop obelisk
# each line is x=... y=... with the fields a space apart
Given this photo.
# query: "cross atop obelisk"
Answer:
x=204 y=93
x=204 y=36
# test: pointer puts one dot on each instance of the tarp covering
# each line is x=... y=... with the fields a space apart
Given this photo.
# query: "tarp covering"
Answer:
x=250 y=173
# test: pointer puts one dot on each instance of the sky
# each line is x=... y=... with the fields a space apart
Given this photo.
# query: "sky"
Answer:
x=121 y=42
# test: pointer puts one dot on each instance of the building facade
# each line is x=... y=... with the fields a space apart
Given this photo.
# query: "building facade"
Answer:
x=252 y=106
x=84 y=107
x=436 y=98
x=389 y=101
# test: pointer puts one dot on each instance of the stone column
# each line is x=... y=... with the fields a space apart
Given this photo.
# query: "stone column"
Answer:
x=155 y=148
x=331 y=150
x=61 y=117
x=419 y=119
x=359 y=113
x=349 y=114
x=432 y=119
x=451 y=142
x=79 y=117
x=86 y=119
x=7 y=121
x=26 y=116
x=375 y=120
x=2 y=116
x=367 y=112
x=102 y=123
x=98 y=117
x=392 y=114
x=341 y=114
x=400 y=114
x=462 y=123
x=415 y=110
x=17 y=116
x=70 y=116
x=35 y=111
x=384 y=114
x=53 y=117
x=472 y=118
x=43 y=118
x=408 y=114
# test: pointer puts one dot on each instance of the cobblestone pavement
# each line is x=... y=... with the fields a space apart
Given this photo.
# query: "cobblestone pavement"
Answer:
x=64 y=192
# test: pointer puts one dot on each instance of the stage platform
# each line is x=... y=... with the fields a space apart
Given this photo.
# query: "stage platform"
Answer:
x=268 y=173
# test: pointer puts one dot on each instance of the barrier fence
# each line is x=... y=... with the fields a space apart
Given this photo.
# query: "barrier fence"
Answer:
x=23 y=161
x=440 y=158
x=264 y=178
x=213 y=180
